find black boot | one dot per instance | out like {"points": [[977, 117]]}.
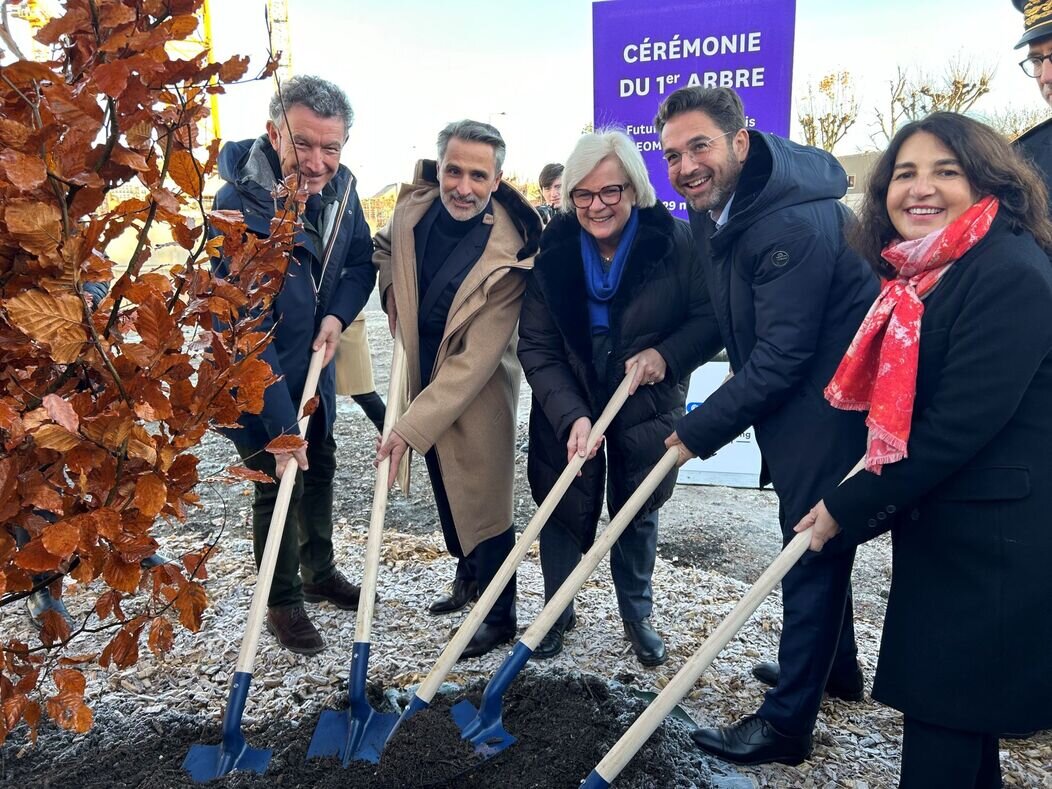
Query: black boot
{"points": [[552, 643], [648, 646]]}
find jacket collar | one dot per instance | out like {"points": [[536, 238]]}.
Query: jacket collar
{"points": [[559, 270]]}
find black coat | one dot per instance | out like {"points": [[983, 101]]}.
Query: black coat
{"points": [[660, 303], [1036, 145], [968, 627], [250, 169], [788, 295]]}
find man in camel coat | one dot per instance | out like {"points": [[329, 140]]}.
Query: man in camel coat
{"points": [[453, 264]]}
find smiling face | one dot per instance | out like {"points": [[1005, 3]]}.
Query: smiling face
{"points": [[467, 176], [602, 222], [309, 145], [704, 162], [928, 188]]}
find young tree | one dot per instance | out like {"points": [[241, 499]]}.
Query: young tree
{"points": [[100, 404], [826, 115]]}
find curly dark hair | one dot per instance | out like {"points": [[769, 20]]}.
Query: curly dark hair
{"points": [[991, 165]]}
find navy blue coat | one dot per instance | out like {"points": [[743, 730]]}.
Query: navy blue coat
{"points": [[1036, 145], [967, 630], [250, 169], [788, 295]]}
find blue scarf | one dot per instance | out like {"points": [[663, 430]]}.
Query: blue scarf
{"points": [[601, 283]]}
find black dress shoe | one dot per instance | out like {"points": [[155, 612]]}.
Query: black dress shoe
{"points": [[752, 740], [153, 560], [552, 643], [487, 638], [648, 646], [463, 592], [853, 689]]}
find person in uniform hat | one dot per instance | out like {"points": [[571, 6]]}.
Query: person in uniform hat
{"points": [[1036, 142]]}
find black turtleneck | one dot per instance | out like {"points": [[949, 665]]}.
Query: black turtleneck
{"points": [[445, 234]]}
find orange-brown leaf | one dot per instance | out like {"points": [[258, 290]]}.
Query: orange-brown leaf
{"points": [[285, 444], [186, 172], [191, 603], [111, 77], [311, 405], [61, 538], [109, 602], [161, 636], [36, 225], [195, 564], [244, 472], [233, 69], [121, 575], [54, 628], [24, 172], [154, 324], [62, 412], [55, 437], [150, 494], [35, 558], [52, 319]]}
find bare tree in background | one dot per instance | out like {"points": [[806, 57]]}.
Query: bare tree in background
{"points": [[1012, 121], [826, 115], [910, 98]]}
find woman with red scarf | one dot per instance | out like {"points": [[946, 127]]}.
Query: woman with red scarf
{"points": [[954, 365]]}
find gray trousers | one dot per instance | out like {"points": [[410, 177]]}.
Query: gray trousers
{"points": [[631, 562]]}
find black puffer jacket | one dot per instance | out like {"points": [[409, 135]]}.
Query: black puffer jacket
{"points": [[661, 303]]}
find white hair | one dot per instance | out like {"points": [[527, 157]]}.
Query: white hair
{"points": [[591, 149]]}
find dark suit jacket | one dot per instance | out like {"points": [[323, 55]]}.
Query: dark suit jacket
{"points": [[968, 631]]}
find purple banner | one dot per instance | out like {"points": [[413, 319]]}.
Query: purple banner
{"points": [[643, 50]]}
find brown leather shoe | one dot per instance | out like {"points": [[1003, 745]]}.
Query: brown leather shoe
{"points": [[292, 628], [336, 590]]}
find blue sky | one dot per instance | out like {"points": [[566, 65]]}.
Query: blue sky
{"points": [[410, 66]]}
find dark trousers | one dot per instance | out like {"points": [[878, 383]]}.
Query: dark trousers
{"points": [[938, 758], [631, 562], [482, 563], [306, 543], [818, 639]]}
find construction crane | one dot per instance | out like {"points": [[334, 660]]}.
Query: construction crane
{"points": [[280, 37]]}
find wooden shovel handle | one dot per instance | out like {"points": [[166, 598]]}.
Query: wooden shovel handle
{"points": [[471, 624], [679, 686], [599, 549], [258, 608], [367, 599]]}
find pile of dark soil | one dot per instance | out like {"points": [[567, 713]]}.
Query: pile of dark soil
{"points": [[564, 723]]}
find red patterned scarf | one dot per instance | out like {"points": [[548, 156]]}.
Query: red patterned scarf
{"points": [[879, 370]]}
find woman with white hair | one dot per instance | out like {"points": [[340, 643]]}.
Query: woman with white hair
{"points": [[614, 291]]}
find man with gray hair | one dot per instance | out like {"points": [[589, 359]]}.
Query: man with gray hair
{"points": [[453, 263], [309, 121]]}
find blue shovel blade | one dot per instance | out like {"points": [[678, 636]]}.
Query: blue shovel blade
{"points": [[358, 736], [358, 733], [207, 762], [483, 727], [595, 781], [489, 740]]}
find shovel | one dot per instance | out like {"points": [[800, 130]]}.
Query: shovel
{"points": [[679, 686], [483, 727], [359, 732], [205, 762], [426, 692]]}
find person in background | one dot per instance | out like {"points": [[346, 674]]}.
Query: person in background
{"points": [[551, 182], [954, 365], [1036, 143], [354, 372], [614, 292]]}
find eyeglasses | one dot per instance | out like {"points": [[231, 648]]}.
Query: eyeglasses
{"points": [[695, 150], [608, 195], [1032, 65]]}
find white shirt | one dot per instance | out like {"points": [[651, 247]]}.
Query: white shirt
{"points": [[725, 214]]}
